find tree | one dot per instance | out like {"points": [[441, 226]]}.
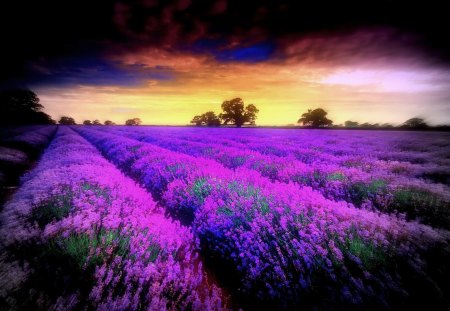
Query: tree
{"points": [[315, 118], [96, 122], [197, 120], [134, 121], [415, 123], [108, 122], [87, 122], [21, 106], [351, 124], [67, 121], [236, 113], [208, 118], [366, 125]]}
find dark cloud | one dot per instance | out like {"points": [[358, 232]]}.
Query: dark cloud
{"points": [[95, 71], [249, 54], [34, 32]]}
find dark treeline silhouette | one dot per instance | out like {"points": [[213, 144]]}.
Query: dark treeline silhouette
{"points": [[317, 119], [88, 122], [234, 112], [21, 106], [415, 123]]}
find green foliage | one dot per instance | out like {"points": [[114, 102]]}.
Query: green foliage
{"points": [[201, 189], [55, 208], [258, 203], [336, 177], [98, 191], [361, 191], [80, 247], [419, 203], [370, 255]]}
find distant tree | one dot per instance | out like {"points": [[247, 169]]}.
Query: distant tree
{"points": [[96, 122], [21, 106], [134, 121], [234, 112], [366, 125], [87, 122], [415, 123], [351, 124], [108, 122], [387, 125], [197, 120], [315, 118], [67, 121], [208, 118]]}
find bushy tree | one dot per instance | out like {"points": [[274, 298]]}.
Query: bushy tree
{"points": [[208, 118], [234, 112], [96, 122], [315, 118], [67, 121], [133, 122], [351, 124], [108, 122], [197, 120], [87, 122], [21, 106], [415, 123]]}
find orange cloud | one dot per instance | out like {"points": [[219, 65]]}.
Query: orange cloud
{"points": [[281, 89]]}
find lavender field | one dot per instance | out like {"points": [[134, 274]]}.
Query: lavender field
{"points": [[182, 218]]}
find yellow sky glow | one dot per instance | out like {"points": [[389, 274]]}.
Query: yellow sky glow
{"points": [[282, 91]]}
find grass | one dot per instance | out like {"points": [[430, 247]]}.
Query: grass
{"points": [[336, 177], [55, 208], [370, 255], [360, 191], [422, 204]]}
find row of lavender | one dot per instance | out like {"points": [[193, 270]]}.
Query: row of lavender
{"points": [[317, 146], [373, 184], [281, 244], [78, 234], [19, 147], [30, 139]]}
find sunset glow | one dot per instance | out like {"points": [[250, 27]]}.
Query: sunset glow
{"points": [[184, 60], [172, 87]]}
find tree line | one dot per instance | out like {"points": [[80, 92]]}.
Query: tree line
{"points": [[20, 106], [64, 120]]}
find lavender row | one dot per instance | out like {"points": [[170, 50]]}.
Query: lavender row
{"points": [[368, 151], [383, 191], [32, 141], [313, 146], [284, 246], [79, 234]]}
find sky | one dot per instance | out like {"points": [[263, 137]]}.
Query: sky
{"points": [[166, 61]]}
